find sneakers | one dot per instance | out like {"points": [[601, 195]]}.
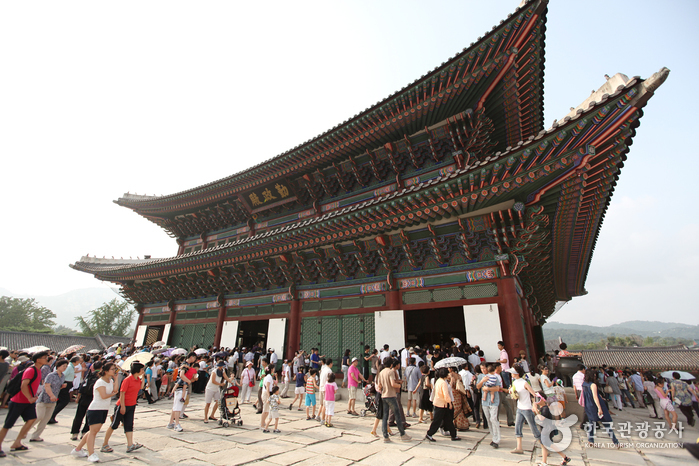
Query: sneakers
{"points": [[405, 438], [430, 438], [184, 416], [178, 428], [74, 437], [265, 431], [386, 440], [79, 453], [93, 458], [277, 431], [494, 445], [171, 425]]}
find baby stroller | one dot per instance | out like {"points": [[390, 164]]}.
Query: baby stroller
{"points": [[230, 411], [369, 400]]}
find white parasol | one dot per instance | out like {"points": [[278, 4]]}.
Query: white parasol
{"points": [[201, 351], [178, 351], [138, 357], [158, 344], [683, 375], [36, 349], [450, 362]]}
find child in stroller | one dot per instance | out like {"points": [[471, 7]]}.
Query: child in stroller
{"points": [[230, 410]]}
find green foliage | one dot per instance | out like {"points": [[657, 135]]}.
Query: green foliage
{"points": [[629, 341], [63, 330], [25, 315], [112, 318]]}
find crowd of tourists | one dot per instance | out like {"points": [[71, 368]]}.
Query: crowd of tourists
{"points": [[445, 387]]}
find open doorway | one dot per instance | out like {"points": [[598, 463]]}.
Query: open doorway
{"points": [[426, 327], [253, 333]]}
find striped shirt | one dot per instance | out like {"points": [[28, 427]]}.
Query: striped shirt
{"points": [[309, 386]]}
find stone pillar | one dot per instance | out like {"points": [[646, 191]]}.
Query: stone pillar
{"points": [[294, 340], [511, 318]]}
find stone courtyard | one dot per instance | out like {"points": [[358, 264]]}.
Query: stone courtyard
{"points": [[304, 442]]}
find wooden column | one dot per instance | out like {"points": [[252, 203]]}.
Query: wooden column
{"points": [[393, 300], [139, 322], [511, 317], [219, 321], [294, 340]]}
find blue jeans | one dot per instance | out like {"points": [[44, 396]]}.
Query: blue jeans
{"points": [[391, 403], [590, 428], [527, 414]]}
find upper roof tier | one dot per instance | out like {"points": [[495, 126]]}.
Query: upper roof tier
{"points": [[501, 73]]}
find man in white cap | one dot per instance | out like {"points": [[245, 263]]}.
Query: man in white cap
{"points": [[273, 358]]}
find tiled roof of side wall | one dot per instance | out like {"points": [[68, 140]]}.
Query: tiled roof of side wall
{"points": [[499, 156], [137, 202]]}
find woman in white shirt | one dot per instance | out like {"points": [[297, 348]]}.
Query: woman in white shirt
{"points": [[105, 388], [547, 384]]}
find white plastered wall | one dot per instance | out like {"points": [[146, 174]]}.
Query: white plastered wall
{"points": [[166, 333], [275, 336], [483, 328], [389, 327], [229, 334], [141, 334]]}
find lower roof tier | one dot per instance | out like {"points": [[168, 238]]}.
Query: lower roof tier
{"points": [[536, 208]]}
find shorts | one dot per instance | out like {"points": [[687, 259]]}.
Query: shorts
{"points": [[126, 418], [265, 407], [329, 408], [310, 399], [26, 410], [352, 393], [178, 404], [665, 403], [274, 414], [97, 416], [211, 395], [299, 390], [322, 397], [412, 396]]}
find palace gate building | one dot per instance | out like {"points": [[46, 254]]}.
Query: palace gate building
{"points": [[446, 208]]}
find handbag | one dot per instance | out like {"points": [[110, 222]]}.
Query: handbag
{"points": [[608, 389]]}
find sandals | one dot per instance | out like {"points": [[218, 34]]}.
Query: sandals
{"points": [[20, 448], [565, 461], [36, 440], [106, 449], [211, 418], [133, 447]]}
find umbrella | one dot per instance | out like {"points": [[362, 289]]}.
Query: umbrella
{"points": [[176, 351], [36, 349], [159, 343], [683, 375], [94, 351], [159, 350], [200, 351], [450, 362], [221, 354], [72, 349], [139, 357]]}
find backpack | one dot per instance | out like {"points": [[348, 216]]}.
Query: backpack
{"points": [[86, 386], [15, 384]]}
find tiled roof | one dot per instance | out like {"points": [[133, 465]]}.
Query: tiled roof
{"points": [[21, 340], [644, 358]]}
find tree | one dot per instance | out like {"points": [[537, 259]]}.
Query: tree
{"points": [[63, 330], [112, 318], [25, 315]]}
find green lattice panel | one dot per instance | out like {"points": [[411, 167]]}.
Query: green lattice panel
{"points": [[330, 338], [369, 336], [209, 335], [188, 336], [447, 294], [352, 335], [351, 303], [330, 304], [176, 336], [311, 306], [486, 290], [309, 333], [374, 301], [416, 297]]}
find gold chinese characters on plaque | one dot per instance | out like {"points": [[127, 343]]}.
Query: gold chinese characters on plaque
{"points": [[272, 193]]}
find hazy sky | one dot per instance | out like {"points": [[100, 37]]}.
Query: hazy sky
{"points": [[102, 98]]}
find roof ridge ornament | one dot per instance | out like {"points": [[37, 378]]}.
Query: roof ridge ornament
{"points": [[656, 80]]}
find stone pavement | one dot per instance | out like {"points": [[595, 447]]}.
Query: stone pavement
{"points": [[305, 442]]}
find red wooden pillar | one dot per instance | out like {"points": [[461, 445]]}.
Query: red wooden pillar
{"points": [[294, 340], [139, 322], [393, 300], [511, 318], [219, 322], [529, 325]]}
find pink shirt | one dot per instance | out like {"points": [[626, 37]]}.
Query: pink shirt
{"points": [[353, 371], [330, 389], [503, 357]]}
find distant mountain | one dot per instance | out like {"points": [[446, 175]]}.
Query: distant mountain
{"points": [[575, 334], [68, 306]]}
